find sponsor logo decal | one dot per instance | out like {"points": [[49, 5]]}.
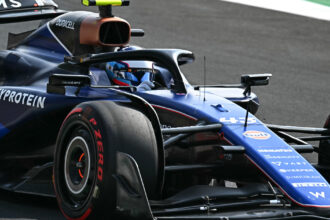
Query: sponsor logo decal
{"points": [[65, 24], [279, 163], [295, 170], [318, 194], [275, 150], [257, 135], [166, 126], [240, 120], [22, 98], [10, 3], [303, 177], [311, 184], [281, 157]]}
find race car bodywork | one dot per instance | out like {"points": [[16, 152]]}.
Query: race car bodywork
{"points": [[208, 156]]}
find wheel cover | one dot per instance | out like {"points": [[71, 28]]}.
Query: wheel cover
{"points": [[77, 165]]}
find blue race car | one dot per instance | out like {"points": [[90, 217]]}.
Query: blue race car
{"points": [[117, 132]]}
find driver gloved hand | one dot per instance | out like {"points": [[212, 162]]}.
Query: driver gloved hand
{"points": [[145, 86]]}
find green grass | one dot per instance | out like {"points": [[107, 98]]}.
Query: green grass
{"points": [[322, 2]]}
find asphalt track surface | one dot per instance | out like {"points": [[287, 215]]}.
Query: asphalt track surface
{"points": [[236, 40]]}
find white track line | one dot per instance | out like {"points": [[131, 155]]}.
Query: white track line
{"points": [[298, 7]]}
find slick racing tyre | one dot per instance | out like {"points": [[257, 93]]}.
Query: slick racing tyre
{"points": [[85, 157]]}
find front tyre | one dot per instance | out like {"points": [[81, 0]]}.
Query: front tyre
{"points": [[85, 159]]}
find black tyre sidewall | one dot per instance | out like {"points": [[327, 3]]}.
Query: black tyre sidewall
{"points": [[112, 128], [103, 182]]}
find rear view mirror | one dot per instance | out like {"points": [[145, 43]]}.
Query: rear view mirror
{"points": [[185, 58], [254, 80]]}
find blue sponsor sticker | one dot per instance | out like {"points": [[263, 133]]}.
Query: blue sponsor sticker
{"points": [[257, 135]]}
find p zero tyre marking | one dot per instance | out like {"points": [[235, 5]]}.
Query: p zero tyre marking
{"points": [[88, 135], [100, 149], [74, 186]]}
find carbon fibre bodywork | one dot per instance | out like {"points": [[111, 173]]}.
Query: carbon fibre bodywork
{"points": [[36, 96], [30, 116]]}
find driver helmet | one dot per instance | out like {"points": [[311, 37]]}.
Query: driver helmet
{"points": [[130, 73]]}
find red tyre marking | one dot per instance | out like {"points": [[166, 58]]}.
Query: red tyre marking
{"points": [[100, 173], [99, 146], [83, 217], [76, 110], [100, 159], [100, 149], [98, 134], [93, 121], [89, 210]]}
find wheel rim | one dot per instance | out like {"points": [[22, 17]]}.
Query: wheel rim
{"points": [[77, 166]]}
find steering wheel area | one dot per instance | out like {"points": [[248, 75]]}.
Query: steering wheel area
{"points": [[158, 85]]}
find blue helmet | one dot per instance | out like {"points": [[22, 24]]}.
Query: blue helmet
{"points": [[127, 73], [119, 73]]}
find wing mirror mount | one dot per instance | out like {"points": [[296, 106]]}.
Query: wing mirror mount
{"points": [[250, 80]]}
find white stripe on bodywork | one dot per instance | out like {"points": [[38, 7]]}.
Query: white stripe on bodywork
{"points": [[298, 7], [58, 40]]}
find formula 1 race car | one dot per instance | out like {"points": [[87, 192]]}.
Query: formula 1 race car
{"points": [[72, 120]]}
